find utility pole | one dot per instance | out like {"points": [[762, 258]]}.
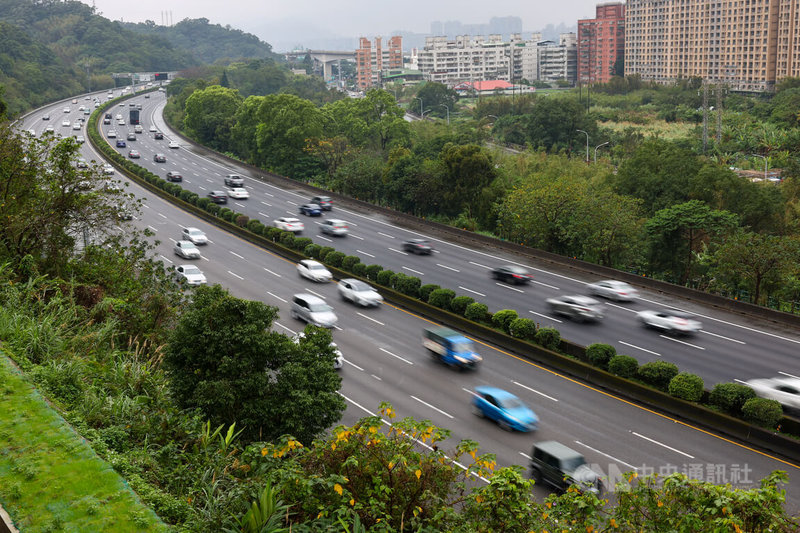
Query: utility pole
{"points": [[705, 116], [719, 114], [587, 145]]}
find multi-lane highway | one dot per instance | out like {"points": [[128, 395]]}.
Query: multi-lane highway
{"points": [[385, 360]]}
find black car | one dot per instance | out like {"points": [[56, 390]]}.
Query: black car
{"points": [[174, 176], [160, 158], [511, 274], [158, 135], [106, 121], [121, 143], [108, 116], [324, 202], [218, 197], [311, 210], [418, 246]]}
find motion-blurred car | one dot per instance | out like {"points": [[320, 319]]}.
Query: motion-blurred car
{"points": [[360, 293], [239, 193], [669, 321], [190, 274], [311, 210], [338, 358], [576, 307], [233, 180], [174, 175], [418, 246], [289, 224], [314, 270], [332, 226], [613, 290], [783, 390], [512, 274], [186, 249], [504, 408], [134, 154], [313, 310], [562, 467], [194, 235], [218, 197], [324, 202], [160, 158]]}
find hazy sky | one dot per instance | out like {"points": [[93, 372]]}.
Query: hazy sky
{"points": [[295, 20]]}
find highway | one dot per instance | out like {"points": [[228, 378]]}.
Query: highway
{"points": [[385, 360]]}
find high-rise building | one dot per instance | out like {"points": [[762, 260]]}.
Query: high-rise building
{"points": [[372, 59], [601, 43], [748, 45], [558, 61]]}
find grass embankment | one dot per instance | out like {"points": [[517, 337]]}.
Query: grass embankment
{"points": [[50, 478]]}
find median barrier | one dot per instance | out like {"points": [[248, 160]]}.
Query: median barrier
{"points": [[573, 363]]}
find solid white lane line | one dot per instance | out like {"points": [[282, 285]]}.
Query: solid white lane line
{"points": [[789, 375], [722, 337], [204, 258], [397, 356], [469, 391], [398, 251], [534, 391], [364, 253], [595, 450], [662, 444], [235, 275], [271, 272], [470, 290], [620, 307], [370, 318], [290, 330], [639, 348], [545, 285], [414, 271], [316, 294], [167, 260], [353, 365], [237, 255], [447, 267], [545, 316], [525, 455], [448, 415], [479, 265], [386, 235], [681, 342], [509, 288], [276, 296]]}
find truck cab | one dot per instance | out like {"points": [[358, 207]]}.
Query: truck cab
{"points": [[451, 347]]}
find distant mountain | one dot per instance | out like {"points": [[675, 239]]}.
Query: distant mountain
{"points": [[209, 42]]}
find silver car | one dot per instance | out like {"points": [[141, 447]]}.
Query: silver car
{"points": [[313, 310], [190, 274], [194, 235], [613, 290], [359, 293], [337, 228], [576, 307], [783, 390], [669, 321], [186, 249], [314, 270]]}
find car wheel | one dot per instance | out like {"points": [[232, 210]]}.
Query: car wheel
{"points": [[504, 424], [536, 475], [294, 314], [477, 412]]}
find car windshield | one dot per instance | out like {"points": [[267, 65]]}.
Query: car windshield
{"points": [[462, 347], [572, 463], [191, 270], [360, 286], [511, 403], [319, 308], [194, 232], [316, 266]]}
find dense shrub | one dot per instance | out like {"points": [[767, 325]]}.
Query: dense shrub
{"points": [[242, 220], [287, 238], [274, 234], [477, 312], [300, 243], [384, 277], [426, 290], [192, 198], [623, 366], [212, 208], [501, 319], [324, 251], [360, 269], [255, 226], [441, 298], [549, 338], [312, 250], [687, 387], [730, 397], [224, 213], [762, 412], [459, 304], [184, 195], [349, 261], [658, 373], [522, 328], [372, 272], [600, 354], [408, 285], [334, 259]]}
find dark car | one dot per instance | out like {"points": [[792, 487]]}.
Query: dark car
{"points": [[562, 467], [418, 246], [108, 116], [577, 307], [158, 135], [121, 143], [323, 201], [106, 121], [511, 274], [218, 197], [311, 210], [160, 158], [174, 176]]}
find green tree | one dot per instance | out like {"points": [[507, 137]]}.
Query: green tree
{"points": [[468, 170], [433, 96], [243, 132], [224, 360], [679, 232], [210, 115]]}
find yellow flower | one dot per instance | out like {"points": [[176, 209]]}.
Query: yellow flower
{"points": [[352, 501], [391, 465], [613, 523], [660, 504], [338, 489], [264, 452], [589, 529], [418, 473], [544, 516], [549, 505], [373, 429]]}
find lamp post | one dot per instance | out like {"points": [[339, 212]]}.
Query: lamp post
{"points": [[587, 144], [420, 105], [448, 112], [599, 146], [765, 164]]}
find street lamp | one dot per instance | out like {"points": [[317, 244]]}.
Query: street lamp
{"points": [[766, 162], [587, 144], [599, 146], [448, 112], [420, 105]]}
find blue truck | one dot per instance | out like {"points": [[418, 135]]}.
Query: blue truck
{"points": [[451, 348]]}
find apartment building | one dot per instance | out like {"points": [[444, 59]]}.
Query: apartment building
{"points": [[748, 45], [558, 60], [372, 59], [601, 43]]}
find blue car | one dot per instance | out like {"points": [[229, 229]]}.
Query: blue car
{"points": [[504, 408], [311, 210], [120, 143]]}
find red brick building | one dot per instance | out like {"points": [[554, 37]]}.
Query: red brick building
{"points": [[372, 59], [601, 44]]}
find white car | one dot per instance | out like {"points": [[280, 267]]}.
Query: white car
{"points": [[669, 321], [613, 290], [784, 390], [66, 110], [359, 293], [332, 226], [118, 117], [174, 144], [51, 129], [77, 126], [190, 274], [289, 224], [66, 123], [186, 249], [338, 361], [108, 169], [314, 270], [80, 139], [111, 134], [45, 117], [194, 235], [120, 122], [153, 129], [239, 193]]}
